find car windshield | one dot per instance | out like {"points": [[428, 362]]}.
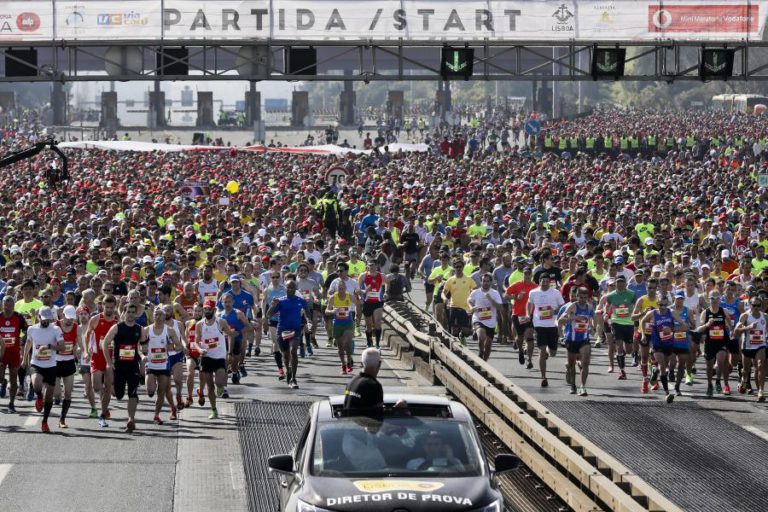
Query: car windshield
{"points": [[395, 446]]}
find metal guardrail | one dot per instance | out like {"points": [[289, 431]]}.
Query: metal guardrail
{"points": [[582, 474]]}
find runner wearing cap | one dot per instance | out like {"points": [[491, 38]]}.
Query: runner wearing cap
{"points": [[621, 302], [193, 355], [733, 305], [44, 341], [273, 291], [372, 286], [486, 307], [661, 322], [340, 307], [241, 328], [12, 327], [681, 344], [521, 321], [65, 359], [161, 339], [456, 291], [578, 320], [244, 302], [714, 323]]}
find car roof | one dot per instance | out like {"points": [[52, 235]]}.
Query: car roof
{"points": [[458, 411]]}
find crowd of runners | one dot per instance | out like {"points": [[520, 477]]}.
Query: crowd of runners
{"points": [[126, 277]]}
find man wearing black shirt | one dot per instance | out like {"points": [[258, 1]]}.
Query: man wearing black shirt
{"points": [[548, 268], [365, 391], [410, 242]]}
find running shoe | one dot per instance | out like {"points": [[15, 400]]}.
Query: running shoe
{"points": [[568, 376], [130, 426], [294, 385], [248, 352], [573, 389], [225, 394], [219, 391], [174, 415], [598, 343], [39, 405], [44, 427], [727, 389], [103, 422], [583, 391], [343, 370], [635, 360], [670, 397], [200, 397], [645, 386], [56, 402], [310, 352], [742, 387], [654, 375], [63, 424], [655, 386], [718, 388], [302, 351], [214, 415], [235, 377], [544, 383], [521, 357], [11, 408], [157, 420], [329, 345], [610, 369], [243, 371], [3, 388], [188, 402], [350, 370], [94, 413], [107, 414], [529, 365], [709, 391], [689, 379], [282, 375], [760, 398], [256, 351], [30, 394], [677, 391], [622, 375]]}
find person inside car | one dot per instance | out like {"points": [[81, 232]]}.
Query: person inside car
{"points": [[438, 456]]}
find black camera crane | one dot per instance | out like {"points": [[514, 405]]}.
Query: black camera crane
{"points": [[54, 175]]}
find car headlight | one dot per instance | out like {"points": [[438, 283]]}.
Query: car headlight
{"points": [[307, 507], [491, 507]]}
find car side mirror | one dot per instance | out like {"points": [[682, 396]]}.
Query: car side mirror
{"points": [[502, 463], [281, 464]]}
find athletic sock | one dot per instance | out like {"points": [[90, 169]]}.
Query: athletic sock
{"points": [[369, 337], [377, 333], [47, 406], [665, 383], [644, 370], [278, 358], [621, 359], [65, 409]]}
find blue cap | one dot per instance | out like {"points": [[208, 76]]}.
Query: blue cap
{"points": [[234, 277], [618, 259], [680, 293]]}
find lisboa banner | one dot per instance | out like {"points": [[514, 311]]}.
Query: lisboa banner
{"points": [[380, 20]]}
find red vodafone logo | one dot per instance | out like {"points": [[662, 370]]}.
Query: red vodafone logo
{"points": [[28, 21]]}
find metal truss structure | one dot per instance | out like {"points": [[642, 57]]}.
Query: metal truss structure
{"points": [[369, 61]]}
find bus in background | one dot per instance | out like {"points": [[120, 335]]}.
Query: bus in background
{"points": [[744, 103]]}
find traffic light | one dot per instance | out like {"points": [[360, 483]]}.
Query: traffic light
{"points": [[716, 63], [608, 63], [456, 62], [301, 61]]}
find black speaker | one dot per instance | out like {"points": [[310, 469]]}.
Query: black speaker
{"points": [[167, 65], [28, 66], [301, 61]]}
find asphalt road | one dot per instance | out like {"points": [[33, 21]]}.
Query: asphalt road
{"points": [[192, 464]]}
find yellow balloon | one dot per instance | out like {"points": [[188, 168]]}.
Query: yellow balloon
{"points": [[233, 187]]}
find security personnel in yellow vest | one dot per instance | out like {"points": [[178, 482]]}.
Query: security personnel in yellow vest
{"points": [[589, 144], [715, 142], [574, 144], [624, 144], [689, 141], [670, 142], [634, 143], [562, 144], [739, 142], [651, 144], [548, 143]]}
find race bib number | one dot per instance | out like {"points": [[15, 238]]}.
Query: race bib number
{"points": [[342, 313], [580, 324], [43, 352], [484, 313], [680, 336], [717, 333], [756, 337], [9, 341], [545, 312], [68, 348], [666, 333], [305, 294], [372, 296], [211, 343], [622, 311], [287, 335], [158, 355], [523, 320], [127, 353]]}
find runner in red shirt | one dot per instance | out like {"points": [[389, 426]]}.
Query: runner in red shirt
{"points": [[97, 329], [12, 326], [518, 292]]}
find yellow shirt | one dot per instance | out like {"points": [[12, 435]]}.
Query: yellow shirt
{"points": [[441, 272], [459, 288], [476, 231], [356, 269]]}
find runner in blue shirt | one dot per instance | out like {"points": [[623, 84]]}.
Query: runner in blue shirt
{"points": [[292, 312]]}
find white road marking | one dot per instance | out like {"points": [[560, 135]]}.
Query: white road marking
{"points": [[237, 474], [758, 432], [4, 470], [31, 421]]}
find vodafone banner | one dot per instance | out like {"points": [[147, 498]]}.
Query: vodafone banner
{"points": [[410, 20]]}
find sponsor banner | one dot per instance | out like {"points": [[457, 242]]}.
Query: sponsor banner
{"points": [[26, 21], [101, 20], [725, 18], [411, 20]]}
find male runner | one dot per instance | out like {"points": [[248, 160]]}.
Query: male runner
{"points": [[12, 327], [102, 379], [65, 359], [715, 323], [211, 336], [518, 293], [44, 340], [621, 303], [543, 303], [292, 312], [486, 307], [579, 321], [752, 326], [372, 284]]}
